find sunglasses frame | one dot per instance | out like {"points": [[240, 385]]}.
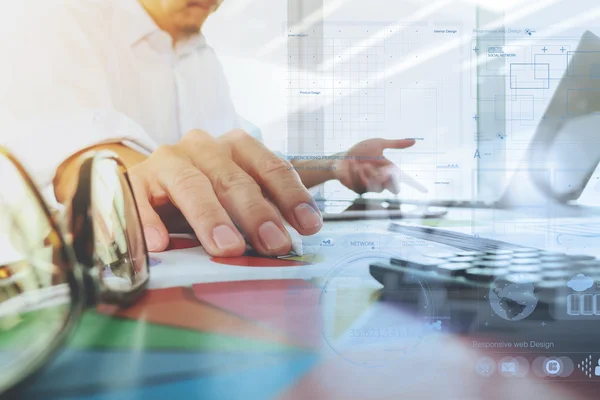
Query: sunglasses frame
{"points": [[77, 262], [85, 230]]}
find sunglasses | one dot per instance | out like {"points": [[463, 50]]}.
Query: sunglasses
{"points": [[52, 269]]}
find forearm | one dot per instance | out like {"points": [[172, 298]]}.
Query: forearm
{"points": [[315, 172], [65, 180]]}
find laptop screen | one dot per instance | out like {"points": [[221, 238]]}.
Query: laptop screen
{"points": [[564, 152]]}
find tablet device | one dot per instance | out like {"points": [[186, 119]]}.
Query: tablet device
{"points": [[368, 209]]}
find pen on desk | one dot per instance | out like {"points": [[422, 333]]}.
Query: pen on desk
{"points": [[296, 241]]}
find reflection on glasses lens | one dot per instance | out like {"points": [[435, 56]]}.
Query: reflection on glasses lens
{"points": [[35, 296], [120, 249]]}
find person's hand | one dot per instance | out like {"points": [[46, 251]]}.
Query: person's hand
{"points": [[363, 168], [221, 183]]}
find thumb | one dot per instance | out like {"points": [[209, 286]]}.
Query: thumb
{"points": [[397, 143]]}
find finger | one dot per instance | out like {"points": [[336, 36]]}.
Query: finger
{"points": [[155, 232], [191, 191], [241, 196], [391, 144], [163, 205], [397, 143], [173, 218], [366, 177], [377, 146], [390, 184], [389, 181], [371, 178], [278, 179]]}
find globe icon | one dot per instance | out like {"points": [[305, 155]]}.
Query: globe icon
{"points": [[512, 297]]}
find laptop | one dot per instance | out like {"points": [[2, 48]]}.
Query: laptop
{"points": [[565, 149]]}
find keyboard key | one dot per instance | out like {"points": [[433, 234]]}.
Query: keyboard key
{"points": [[453, 269], [525, 255], [581, 257], [499, 252], [525, 261], [470, 254], [551, 253], [430, 265], [462, 259], [525, 250], [554, 258], [524, 269], [556, 275], [491, 264], [554, 266], [485, 274], [441, 254], [496, 257], [586, 264]]}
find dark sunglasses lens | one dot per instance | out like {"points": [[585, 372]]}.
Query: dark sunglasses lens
{"points": [[35, 295], [119, 241]]}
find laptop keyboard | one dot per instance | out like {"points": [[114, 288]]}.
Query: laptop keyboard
{"points": [[468, 272], [456, 239], [581, 229]]}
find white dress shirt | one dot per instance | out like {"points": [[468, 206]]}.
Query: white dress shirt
{"points": [[75, 73]]}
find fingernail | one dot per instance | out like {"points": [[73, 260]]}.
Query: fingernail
{"points": [[153, 239], [307, 216], [225, 237], [272, 237]]}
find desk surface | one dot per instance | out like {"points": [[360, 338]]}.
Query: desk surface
{"points": [[255, 328]]}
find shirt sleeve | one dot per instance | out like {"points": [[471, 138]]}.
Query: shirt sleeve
{"points": [[54, 92], [43, 142]]}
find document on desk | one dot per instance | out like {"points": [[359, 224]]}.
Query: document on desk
{"points": [[186, 262]]}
